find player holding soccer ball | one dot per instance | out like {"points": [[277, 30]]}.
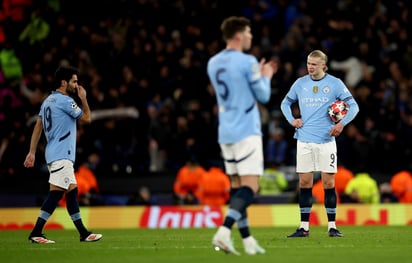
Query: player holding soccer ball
{"points": [[315, 133]]}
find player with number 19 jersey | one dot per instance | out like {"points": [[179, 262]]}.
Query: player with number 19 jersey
{"points": [[58, 112], [238, 84]]}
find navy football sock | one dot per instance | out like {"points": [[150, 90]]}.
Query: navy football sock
{"points": [[74, 212], [239, 202], [330, 204], [305, 203], [46, 211]]}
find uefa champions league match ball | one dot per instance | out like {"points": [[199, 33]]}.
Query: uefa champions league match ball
{"points": [[338, 110]]}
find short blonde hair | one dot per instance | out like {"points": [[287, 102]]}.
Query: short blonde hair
{"points": [[319, 54]]}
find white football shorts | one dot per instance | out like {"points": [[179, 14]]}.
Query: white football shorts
{"points": [[319, 157], [62, 173], [244, 157]]}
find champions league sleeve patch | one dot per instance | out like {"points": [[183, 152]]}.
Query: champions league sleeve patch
{"points": [[75, 108], [255, 72]]}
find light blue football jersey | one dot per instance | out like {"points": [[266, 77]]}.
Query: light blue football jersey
{"points": [[239, 85], [314, 97], [59, 114]]}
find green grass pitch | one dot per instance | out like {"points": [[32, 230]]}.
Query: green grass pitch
{"points": [[360, 244]]}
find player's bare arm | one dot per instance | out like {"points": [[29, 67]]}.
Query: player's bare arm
{"points": [[31, 156]]}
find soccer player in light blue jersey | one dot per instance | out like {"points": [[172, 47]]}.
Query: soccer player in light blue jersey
{"points": [[315, 133], [240, 83], [58, 120]]}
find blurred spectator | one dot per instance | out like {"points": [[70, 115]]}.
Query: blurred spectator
{"points": [[277, 146], [12, 16], [273, 181], [159, 134], [356, 149], [352, 69], [34, 36], [363, 189], [386, 193], [12, 132], [37, 30], [89, 191], [129, 54], [187, 181], [401, 185], [213, 188], [143, 197], [342, 178], [10, 64]]}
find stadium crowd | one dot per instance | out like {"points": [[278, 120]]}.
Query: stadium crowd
{"points": [[151, 55]]}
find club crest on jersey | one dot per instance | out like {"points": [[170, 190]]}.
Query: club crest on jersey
{"points": [[326, 90], [315, 89]]}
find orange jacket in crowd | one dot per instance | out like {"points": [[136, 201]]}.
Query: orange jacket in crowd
{"points": [[214, 188], [401, 186], [187, 180], [342, 177]]}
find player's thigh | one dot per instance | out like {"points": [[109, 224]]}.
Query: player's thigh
{"points": [[305, 161], [62, 173], [228, 156], [249, 156], [244, 157], [235, 181], [328, 159]]}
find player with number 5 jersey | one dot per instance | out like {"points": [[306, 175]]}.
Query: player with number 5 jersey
{"points": [[240, 83]]}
